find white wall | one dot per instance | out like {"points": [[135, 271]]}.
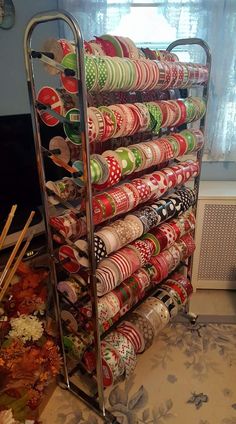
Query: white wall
{"points": [[14, 95]]}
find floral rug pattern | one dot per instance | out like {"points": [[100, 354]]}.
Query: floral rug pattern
{"points": [[188, 375]]}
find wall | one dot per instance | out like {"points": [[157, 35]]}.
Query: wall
{"points": [[14, 95], [218, 171]]}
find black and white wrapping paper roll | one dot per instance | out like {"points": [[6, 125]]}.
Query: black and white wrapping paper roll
{"points": [[148, 216], [170, 302], [99, 248], [164, 208]]}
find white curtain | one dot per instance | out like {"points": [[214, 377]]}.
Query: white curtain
{"points": [[163, 21]]}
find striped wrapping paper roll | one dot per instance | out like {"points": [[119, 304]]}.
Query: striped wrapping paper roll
{"points": [[150, 186], [125, 197], [120, 266], [121, 120], [134, 288], [115, 63], [118, 301], [137, 332]]}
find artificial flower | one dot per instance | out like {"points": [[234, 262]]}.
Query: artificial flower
{"points": [[26, 328]]}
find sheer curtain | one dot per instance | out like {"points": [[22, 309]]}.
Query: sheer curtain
{"points": [[157, 23]]}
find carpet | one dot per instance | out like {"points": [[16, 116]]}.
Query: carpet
{"points": [[187, 376]]}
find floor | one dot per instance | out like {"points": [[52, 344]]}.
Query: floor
{"points": [[214, 305], [187, 376]]}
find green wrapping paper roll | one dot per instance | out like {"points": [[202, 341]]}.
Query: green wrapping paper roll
{"points": [[191, 139], [127, 160], [96, 170], [71, 131], [156, 117], [190, 110], [138, 156], [102, 70], [91, 73]]}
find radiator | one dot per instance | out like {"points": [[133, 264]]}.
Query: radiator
{"points": [[214, 261]]}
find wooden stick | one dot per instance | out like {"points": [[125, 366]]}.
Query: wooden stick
{"points": [[15, 266], [7, 225], [16, 248]]}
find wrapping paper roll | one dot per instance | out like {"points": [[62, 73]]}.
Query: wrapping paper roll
{"points": [[59, 143], [169, 302], [69, 259], [77, 344], [57, 101], [144, 327], [71, 288], [183, 282], [125, 349], [112, 364], [120, 65], [133, 335], [147, 311], [176, 290], [136, 192], [68, 225]]}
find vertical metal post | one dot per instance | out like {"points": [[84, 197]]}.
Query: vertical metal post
{"points": [[205, 47], [82, 105]]}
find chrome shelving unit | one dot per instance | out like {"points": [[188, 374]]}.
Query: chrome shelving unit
{"points": [[96, 402]]}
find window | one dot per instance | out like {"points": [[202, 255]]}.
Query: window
{"points": [[156, 24]]}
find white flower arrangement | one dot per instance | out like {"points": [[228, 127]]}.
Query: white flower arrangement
{"points": [[26, 328]]}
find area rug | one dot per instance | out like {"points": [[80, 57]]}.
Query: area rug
{"points": [[187, 376]]}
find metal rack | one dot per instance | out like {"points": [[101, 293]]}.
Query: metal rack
{"points": [[199, 42], [96, 402]]}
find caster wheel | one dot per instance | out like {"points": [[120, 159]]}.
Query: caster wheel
{"points": [[62, 385]]}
